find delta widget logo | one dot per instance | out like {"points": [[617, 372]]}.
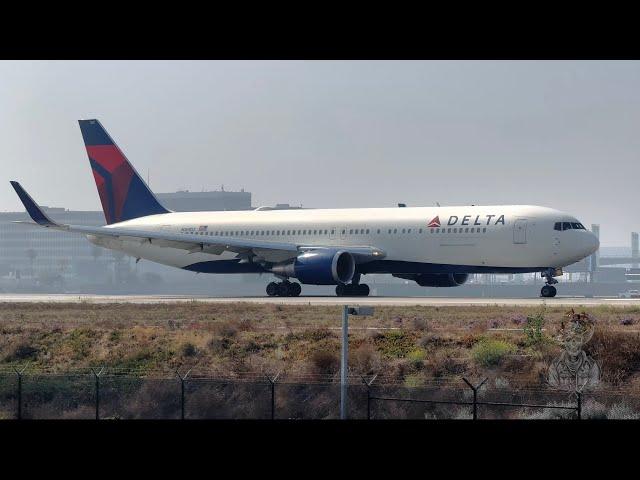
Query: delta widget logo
{"points": [[435, 222]]}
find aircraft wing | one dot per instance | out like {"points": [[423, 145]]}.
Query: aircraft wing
{"points": [[270, 251]]}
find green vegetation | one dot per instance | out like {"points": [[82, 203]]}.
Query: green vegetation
{"points": [[395, 343], [490, 352], [533, 329], [417, 357]]}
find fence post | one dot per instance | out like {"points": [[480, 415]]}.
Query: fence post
{"points": [[579, 407], [19, 374], [368, 385], [97, 378], [475, 395], [344, 361], [272, 382], [182, 380]]}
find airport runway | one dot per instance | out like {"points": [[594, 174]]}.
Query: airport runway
{"points": [[315, 300]]}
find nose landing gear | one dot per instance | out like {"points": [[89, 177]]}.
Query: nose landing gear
{"points": [[549, 291], [284, 289]]}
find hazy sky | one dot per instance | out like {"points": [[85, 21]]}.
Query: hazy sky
{"points": [[337, 134]]}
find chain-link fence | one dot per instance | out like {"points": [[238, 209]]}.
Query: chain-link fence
{"points": [[102, 394]]}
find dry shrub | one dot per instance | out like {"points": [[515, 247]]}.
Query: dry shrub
{"points": [[441, 365], [470, 339], [227, 329], [365, 359], [325, 362], [219, 346], [20, 352], [188, 349], [419, 323], [245, 325], [316, 334], [400, 369], [433, 340], [519, 364], [375, 335], [618, 354]]}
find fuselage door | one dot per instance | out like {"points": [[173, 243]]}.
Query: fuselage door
{"points": [[520, 231]]}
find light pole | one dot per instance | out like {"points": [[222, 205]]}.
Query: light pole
{"points": [[344, 357]]}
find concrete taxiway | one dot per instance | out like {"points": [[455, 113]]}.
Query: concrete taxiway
{"points": [[316, 300]]}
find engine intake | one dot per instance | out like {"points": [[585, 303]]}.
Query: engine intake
{"points": [[437, 279], [319, 267]]}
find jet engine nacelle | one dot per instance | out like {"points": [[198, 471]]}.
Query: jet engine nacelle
{"points": [[437, 279], [320, 267]]}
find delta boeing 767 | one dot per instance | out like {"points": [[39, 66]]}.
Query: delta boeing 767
{"points": [[433, 246]]}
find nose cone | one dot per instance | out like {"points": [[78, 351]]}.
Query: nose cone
{"points": [[592, 243]]}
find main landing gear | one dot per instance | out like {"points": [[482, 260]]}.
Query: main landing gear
{"points": [[353, 289], [549, 290], [284, 289]]}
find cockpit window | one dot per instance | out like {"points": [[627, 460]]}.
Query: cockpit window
{"points": [[568, 226]]}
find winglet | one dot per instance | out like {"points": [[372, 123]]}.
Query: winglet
{"points": [[34, 211]]}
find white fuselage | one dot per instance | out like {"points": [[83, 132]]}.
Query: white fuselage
{"points": [[474, 238]]}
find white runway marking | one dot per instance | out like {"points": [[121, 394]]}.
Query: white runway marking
{"points": [[316, 300]]}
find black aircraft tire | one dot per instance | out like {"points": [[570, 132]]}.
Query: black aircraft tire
{"points": [[283, 289], [548, 291], [341, 290], [295, 290], [363, 290], [272, 289]]}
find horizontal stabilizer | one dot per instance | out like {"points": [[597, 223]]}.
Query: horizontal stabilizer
{"points": [[34, 211]]}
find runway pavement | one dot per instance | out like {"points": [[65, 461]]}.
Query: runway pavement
{"points": [[315, 300]]}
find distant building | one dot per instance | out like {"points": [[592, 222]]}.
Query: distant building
{"points": [[186, 201], [29, 251]]}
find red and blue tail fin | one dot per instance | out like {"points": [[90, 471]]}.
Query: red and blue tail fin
{"points": [[123, 193]]}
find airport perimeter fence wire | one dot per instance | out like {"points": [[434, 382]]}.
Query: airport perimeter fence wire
{"points": [[104, 393]]}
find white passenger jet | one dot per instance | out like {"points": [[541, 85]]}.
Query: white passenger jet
{"points": [[433, 246]]}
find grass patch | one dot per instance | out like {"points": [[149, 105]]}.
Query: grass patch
{"points": [[394, 344], [490, 352], [417, 357]]}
